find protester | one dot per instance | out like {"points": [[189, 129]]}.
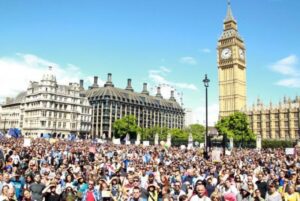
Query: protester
{"points": [[83, 170]]}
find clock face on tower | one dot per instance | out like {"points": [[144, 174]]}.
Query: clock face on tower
{"points": [[226, 53], [242, 54]]}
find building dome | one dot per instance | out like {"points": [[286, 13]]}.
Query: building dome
{"points": [[49, 75]]}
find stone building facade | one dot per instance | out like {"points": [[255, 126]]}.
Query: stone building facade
{"points": [[47, 107], [12, 112], [110, 103], [280, 122]]}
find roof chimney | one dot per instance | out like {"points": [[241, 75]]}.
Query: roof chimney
{"points": [[109, 82], [81, 84], [158, 94], [129, 87], [172, 98], [145, 90], [95, 84]]}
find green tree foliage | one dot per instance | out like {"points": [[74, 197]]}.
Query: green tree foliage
{"points": [[236, 126], [198, 132], [126, 125], [149, 133], [277, 144]]}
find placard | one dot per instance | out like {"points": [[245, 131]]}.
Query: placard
{"points": [[227, 152], [146, 143], [117, 141], [27, 142], [216, 155], [289, 151]]}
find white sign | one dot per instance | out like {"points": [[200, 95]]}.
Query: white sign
{"points": [[128, 142], [146, 143], [289, 151], [227, 152], [27, 142], [216, 155], [117, 141], [137, 142]]}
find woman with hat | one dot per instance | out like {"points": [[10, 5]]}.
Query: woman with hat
{"points": [[245, 194], [69, 193], [50, 192]]}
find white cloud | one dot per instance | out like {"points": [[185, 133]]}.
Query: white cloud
{"points": [[157, 76], [188, 60], [288, 66], [199, 114], [158, 79], [205, 50], [290, 82], [165, 69], [19, 70]]}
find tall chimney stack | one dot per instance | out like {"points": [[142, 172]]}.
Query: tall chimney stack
{"points": [[145, 90], [81, 85], [95, 84], [172, 98], [109, 81], [158, 94], [129, 87]]}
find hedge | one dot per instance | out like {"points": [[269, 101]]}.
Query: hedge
{"points": [[277, 143]]}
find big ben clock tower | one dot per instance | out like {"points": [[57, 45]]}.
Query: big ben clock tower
{"points": [[231, 68]]}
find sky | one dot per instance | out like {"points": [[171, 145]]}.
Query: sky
{"points": [[171, 43]]}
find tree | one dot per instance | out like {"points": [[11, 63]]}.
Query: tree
{"points": [[236, 126], [198, 132], [149, 133], [126, 125]]}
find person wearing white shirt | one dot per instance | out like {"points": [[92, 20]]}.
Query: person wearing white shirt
{"points": [[200, 194]]}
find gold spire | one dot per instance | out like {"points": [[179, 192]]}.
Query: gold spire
{"points": [[229, 15]]}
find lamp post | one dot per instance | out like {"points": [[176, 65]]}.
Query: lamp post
{"points": [[206, 84]]}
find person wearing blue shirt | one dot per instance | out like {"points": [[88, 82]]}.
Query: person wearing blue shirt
{"points": [[18, 185]]}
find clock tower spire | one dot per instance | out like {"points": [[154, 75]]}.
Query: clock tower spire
{"points": [[231, 67]]}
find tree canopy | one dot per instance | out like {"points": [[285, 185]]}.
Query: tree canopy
{"points": [[236, 126], [126, 125]]}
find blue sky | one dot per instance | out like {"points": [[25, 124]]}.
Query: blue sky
{"points": [[169, 42]]}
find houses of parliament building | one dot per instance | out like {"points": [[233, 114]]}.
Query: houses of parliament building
{"points": [[280, 122]]}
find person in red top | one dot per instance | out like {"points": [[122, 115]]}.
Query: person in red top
{"points": [[91, 194]]}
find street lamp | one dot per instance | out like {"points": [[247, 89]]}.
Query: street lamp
{"points": [[206, 84]]}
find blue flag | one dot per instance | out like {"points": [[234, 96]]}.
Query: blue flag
{"points": [[71, 137], [14, 132]]}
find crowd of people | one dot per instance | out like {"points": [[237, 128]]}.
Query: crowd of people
{"points": [[64, 170]]}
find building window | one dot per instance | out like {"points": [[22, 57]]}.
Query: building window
{"points": [[286, 124], [286, 115], [43, 123], [296, 124], [258, 118]]}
